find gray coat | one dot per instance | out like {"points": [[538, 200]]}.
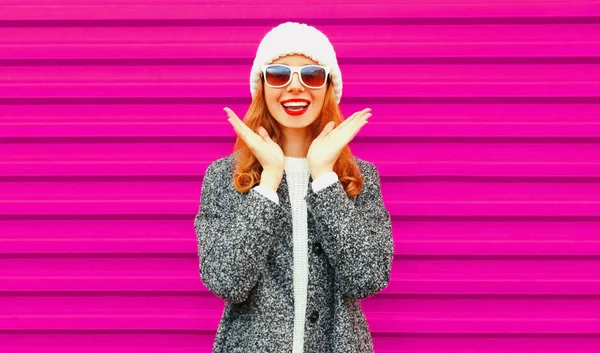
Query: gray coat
{"points": [[245, 251]]}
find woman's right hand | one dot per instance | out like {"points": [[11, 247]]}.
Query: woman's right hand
{"points": [[267, 151]]}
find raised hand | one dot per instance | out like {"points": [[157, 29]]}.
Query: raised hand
{"points": [[267, 151], [326, 148]]}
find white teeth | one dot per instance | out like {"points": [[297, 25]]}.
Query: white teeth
{"points": [[295, 104]]}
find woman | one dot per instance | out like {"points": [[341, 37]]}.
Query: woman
{"points": [[292, 230]]}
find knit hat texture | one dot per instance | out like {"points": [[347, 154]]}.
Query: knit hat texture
{"points": [[296, 38]]}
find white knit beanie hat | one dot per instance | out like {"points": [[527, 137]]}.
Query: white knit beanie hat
{"points": [[296, 38]]}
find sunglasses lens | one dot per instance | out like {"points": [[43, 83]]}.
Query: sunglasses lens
{"points": [[313, 76], [277, 75]]}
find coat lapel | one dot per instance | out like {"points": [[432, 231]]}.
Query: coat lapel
{"points": [[284, 193]]}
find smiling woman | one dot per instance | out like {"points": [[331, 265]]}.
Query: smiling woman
{"points": [[292, 184]]}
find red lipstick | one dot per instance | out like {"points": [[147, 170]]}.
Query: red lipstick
{"points": [[295, 109]]}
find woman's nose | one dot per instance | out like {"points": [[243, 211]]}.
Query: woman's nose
{"points": [[295, 85]]}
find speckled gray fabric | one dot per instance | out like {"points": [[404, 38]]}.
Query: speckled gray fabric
{"points": [[245, 251]]}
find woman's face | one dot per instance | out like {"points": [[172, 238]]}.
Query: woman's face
{"points": [[275, 97]]}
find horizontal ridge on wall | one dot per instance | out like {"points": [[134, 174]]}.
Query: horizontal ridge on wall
{"points": [[535, 43], [373, 82], [401, 198], [161, 238], [518, 123], [549, 283]]}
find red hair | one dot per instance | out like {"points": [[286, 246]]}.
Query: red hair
{"points": [[248, 170]]}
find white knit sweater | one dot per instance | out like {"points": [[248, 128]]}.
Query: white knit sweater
{"points": [[297, 174]]}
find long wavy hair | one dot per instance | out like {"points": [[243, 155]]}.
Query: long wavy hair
{"points": [[247, 170]]}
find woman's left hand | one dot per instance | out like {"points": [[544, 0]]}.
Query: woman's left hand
{"points": [[326, 148]]}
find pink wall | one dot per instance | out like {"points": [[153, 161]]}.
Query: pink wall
{"points": [[485, 129]]}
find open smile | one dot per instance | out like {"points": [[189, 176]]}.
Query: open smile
{"points": [[295, 107]]}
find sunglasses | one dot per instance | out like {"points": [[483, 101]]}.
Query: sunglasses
{"points": [[311, 76]]}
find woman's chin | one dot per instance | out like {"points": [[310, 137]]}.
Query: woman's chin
{"points": [[296, 121], [292, 122]]}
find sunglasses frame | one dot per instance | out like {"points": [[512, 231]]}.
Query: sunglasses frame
{"points": [[295, 69]]}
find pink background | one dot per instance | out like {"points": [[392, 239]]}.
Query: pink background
{"points": [[485, 129]]}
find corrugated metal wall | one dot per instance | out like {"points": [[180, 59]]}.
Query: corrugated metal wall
{"points": [[485, 129]]}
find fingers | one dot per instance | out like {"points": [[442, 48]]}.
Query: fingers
{"points": [[357, 124], [233, 118], [352, 125], [326, 130], [262, 132], [240, 128], [245, 132], [363, 115], [355, 116], [356, 120]]}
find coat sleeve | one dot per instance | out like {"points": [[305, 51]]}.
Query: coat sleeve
{"points": [[235, 232], [355, 236]]}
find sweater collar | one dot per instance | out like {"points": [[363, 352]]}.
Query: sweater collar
{"points": [[296, 164]]}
